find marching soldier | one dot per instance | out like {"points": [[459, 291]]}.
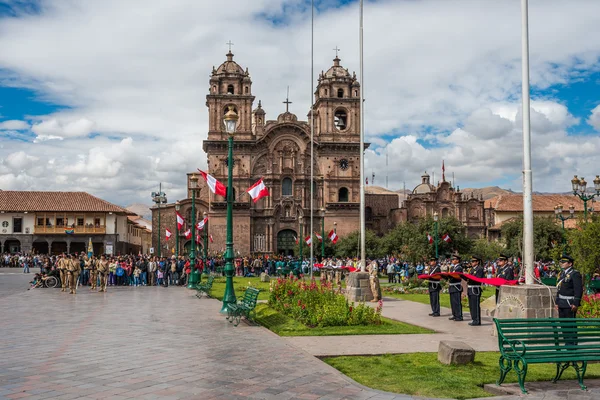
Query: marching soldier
{"points": [[504, 270], [90, 264], [61, 265], [569, 289], [73, 273], [455, 289], [374, 280], [474, 290], [102, 267], [434, 287]]}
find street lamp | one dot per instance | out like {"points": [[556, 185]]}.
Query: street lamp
{"points": [[322, 236], [205, 244], [194, 275], [177, 208], [159, 198], [436, 217], [301, 240], [558, 211], [579, 187], [230, 121]]}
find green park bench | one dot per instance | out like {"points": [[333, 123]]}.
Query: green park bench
{"points": [[244, 307], [205, 287], [563, 341]]}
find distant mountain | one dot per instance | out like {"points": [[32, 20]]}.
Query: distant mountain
{"points": [[142, 210], [487, 192]]}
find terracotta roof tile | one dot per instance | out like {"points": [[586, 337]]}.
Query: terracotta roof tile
{"points": [[541, 202], [31, 201]]}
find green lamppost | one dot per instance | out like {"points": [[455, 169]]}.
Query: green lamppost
{"points": [[559, 215], [436, 217], [579, 187], [301, 240], [322, 236], [159, 198], [205, 244], [177, 208], [194, 274], [230, 120]]}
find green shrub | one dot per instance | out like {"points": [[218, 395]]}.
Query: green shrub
{"points": [[589, 307]]}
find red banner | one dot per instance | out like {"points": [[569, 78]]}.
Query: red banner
{"points": [[460, 275]]}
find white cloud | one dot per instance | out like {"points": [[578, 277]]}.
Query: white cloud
{"points": [[136, 74], [594, 119], [15, 125]]}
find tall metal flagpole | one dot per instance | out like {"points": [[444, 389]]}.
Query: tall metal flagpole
{"points": [[312, 129], [527, 175], [362, 148]]}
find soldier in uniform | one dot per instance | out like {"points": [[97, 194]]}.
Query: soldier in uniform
{"points": [[569, 289], [73, 271], [474, 290], [374, 281], [455, 289], [102, 267], [90, 265], [61, 265], [434, 287], [504, 270]]}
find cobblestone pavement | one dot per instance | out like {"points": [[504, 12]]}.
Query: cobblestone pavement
{"points": [[151, 343]]}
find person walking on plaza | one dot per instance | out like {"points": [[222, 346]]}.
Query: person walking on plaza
{"points": [[569, 289], [73, 270], [504, 270], [103, 269], [434, 287], [374, 281], [455, 289], [474, 290], [61, 265]]}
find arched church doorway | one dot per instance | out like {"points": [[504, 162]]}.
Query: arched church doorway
{"points": [[286, 242]]}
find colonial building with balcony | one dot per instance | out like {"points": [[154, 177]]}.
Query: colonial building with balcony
{"points": [[61, 222]]}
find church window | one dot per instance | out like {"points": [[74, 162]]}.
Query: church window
{"points": [[444, 212], [325, 92], [286, 187], [247, 90], [368, 214], [214, 89], [340, 93], [340, 120], [356, 93], [315, 190], [343, 195], [230, 89]]}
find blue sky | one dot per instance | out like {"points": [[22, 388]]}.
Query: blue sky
{"points": [[108, 96]]}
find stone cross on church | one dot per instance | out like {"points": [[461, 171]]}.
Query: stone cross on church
{"points": [[287, 101]]}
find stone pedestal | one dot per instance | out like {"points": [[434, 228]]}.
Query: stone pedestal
{"points": [[454, 352], [358, 287], [526, 301]]}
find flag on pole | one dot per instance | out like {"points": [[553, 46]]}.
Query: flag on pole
{"points": [[188, 234], [258, 190], [201, 224], [443, 172], [367, 179], [210, 238], [319, 237], [429, 238], [180, 221], [308, 240], [296, 239], [215, 186], [333, 236], [167, 233], [446, 238], [198, 238]]}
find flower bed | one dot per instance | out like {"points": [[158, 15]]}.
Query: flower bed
{"points": [[318, 305], [590, 306]]}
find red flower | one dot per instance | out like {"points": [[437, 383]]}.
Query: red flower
{"points": [[350, 309]]}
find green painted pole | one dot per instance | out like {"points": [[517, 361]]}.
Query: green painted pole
{"points": [[158, 230], [322, 239], [229, 296], [301, 242], [205, 247], [435, 235], [192, 280]]}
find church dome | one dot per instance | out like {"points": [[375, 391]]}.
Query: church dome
{"points": [[423, 188], [337, 71], [229, 67], [287, 117]]}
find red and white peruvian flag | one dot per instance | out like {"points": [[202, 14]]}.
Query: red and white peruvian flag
{"points": [[296, 239], [180, 221], [188, 234], [210, 238], [446, 238], [258, 190], [168, 234], [319, 237], [308, 240], [333, 236], [198, 240], [429, 238], [201, 224], [215, 186]]}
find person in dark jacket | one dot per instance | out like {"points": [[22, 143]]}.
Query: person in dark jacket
{"points": [[474, 290], [455, 289], [434, 287], [503, 270]]}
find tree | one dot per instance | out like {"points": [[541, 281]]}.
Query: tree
{"points": [[349, 246], [584, 245], [488, 251], [547, 234]]}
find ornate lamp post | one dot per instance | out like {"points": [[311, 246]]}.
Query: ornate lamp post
{"points": [[159, 198], [436, 217], [194, 275], [558, 211], [177, 208], [322, 236], [579, 186], [205, 244], [230, 120], [301, 241]]}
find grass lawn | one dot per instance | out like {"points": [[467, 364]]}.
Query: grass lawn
{"points": [[420, 374], [285, 326], [444, 297], [239, 285]]}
